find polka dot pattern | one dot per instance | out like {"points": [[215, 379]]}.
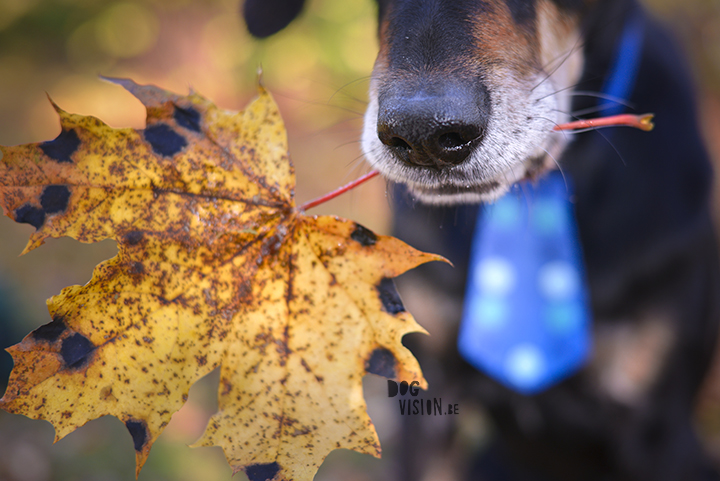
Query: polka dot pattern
{"points": [[558, 280], [496, 276], [525, 364], [526, 317], [491, 312]]}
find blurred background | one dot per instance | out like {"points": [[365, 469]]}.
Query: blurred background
{"points": [[317, 69]]}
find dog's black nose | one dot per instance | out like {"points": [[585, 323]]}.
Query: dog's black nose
{"points": [[432, 130]]}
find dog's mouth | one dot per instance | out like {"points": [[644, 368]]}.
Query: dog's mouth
{"points": [[456, 190], [452, 187]]}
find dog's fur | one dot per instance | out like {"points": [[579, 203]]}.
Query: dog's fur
{"points": [[463, 99]]}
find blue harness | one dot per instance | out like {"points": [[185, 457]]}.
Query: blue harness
{"points": [[526, 319]]}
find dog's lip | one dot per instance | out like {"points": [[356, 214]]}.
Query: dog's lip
{"points": [[454, 190], [432, 183]]}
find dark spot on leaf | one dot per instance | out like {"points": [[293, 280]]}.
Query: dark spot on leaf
{"points": [[106, 393], [50, 332], [262, 472], [201, 360], [55, 198], [76, 350], [137, 268], [29, 214], [389, 296], [381, 362], [188, 118], [272, 245], [139, 433], [227, 388], [364, 236], [134, 237], [62, 148], [164, 140]]}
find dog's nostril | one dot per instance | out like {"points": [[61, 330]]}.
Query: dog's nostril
{"points": [[398, 142], [451, 141]]}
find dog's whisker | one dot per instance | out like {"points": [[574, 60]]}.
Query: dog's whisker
{"points": [[589, 110], [356, 163], [363, 155], [553, 122], [585, 93], [316, 103], [560, 169], [564, 89], [347, 95], [355, 168], [597, 129], [345, 144], [578, 44]]}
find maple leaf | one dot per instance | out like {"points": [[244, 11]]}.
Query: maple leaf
{"points": [[216, 267]]}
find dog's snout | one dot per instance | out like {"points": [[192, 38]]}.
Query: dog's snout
{"points": [[432, 131], [427, 143]]}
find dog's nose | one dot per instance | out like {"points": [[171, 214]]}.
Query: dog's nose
{"points": [[432, 131]]}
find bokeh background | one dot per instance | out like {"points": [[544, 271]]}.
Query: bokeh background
{"points": [[318, 71]]}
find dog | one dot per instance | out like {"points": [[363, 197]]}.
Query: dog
{"points": [[463, 99]]}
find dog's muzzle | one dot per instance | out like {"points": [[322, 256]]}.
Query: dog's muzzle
{"points": [[457, 141]]}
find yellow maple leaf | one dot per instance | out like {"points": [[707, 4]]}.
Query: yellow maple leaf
{"points": [[216, 267]]}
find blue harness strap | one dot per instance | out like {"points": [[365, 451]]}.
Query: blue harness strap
{"points": [[623, 73], [526, 319]]}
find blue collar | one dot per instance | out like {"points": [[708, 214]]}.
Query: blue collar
{"points": [[621, 78]]}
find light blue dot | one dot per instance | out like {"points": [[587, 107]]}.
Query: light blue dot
{"points": [[525, 365], [505, 212], [559, 280], [490, 313], [495, 276], [547, 216], [564, 318]]}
